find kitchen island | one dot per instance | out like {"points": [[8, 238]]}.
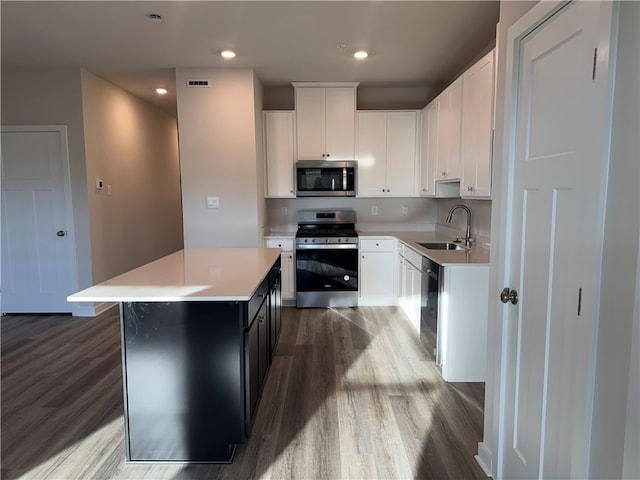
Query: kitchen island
{"points": [[198, 329]]}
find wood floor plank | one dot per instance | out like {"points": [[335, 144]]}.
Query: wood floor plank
{"points": [[351, 394]]}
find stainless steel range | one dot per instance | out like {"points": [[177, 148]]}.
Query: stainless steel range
{"points": [[326, 259]]}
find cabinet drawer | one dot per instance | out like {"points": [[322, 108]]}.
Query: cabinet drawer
{"points": [[376, 244], [413, 257], [256, 300], [286, 244]]}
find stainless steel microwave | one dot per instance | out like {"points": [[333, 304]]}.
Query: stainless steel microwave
{"points": [[325, 179]]}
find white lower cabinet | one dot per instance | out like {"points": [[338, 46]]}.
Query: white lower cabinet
{"points": [[462, 313], [288, 264], [376, 271], [462, 322], [410, 284]]}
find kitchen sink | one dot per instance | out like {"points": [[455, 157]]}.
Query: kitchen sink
{"points": [[442, 246]]}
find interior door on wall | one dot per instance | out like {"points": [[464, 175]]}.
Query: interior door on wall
{"points": [[552, 246], [36, 255]]}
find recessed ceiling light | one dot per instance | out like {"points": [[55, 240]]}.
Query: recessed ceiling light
{"points": [[360, 54], [161, 91], [154, 17], [227, 54]]}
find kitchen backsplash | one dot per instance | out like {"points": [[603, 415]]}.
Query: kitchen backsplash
{"points": [[421, 213]]}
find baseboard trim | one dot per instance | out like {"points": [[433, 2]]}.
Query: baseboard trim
{"points": [[484, 459]]}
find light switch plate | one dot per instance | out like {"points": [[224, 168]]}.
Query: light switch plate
{"points": [[213, 202]]}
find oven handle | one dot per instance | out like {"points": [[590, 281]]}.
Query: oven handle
{"points": [[328, 246]]}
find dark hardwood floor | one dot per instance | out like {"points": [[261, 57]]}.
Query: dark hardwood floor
{"points": [[351, 394]]}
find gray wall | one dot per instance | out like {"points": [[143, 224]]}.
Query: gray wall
{"points": [[133, 147], [368, 98], [116, 136], [219, 134], [613, 424], [51, 96]]}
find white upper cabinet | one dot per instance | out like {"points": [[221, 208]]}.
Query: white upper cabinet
{"points": [[428, 150], [449, 105], [325, 122], [279, 141], [477, 128], [386, 153]]}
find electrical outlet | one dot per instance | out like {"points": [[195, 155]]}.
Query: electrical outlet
{"points": [[213, 202], [284, 211], [405, 210], [374, 209]]}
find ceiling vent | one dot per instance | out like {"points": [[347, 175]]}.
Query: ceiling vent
{"points": [[198, 83]]}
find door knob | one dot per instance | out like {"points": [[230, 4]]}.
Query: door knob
{"points": [[61, 233], [509, 296]]}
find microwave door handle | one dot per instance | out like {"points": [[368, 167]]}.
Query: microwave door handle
{"points": [[344, 179]]}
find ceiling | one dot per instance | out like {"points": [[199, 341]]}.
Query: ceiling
{"points": [[410, 44]]}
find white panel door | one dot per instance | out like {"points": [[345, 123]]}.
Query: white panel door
{"points": [[552, 247], [36, 259]]}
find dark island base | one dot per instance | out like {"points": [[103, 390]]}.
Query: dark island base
{"points": [[182, 367], [193, 373]]}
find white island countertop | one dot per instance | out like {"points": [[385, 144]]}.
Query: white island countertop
{"points": [[195, 274]]}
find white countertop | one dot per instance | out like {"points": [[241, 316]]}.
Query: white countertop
{"points": [[474, 255], [195, 274]]}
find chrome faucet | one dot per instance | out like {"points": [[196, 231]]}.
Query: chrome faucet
{"points": [[467, 238]]}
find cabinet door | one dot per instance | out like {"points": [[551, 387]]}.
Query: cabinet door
{"points": [[401, 153], [279, 153], [449, 104], [310, 122], [252, 373], [477, 128], [416, 292], [372, 154], [340, 111], [288, 276], [263, 342], [376, 268], [428, 150]]}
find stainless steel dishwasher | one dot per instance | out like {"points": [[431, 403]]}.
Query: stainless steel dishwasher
{"points": [[431, 284]]}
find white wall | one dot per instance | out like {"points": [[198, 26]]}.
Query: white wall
{"points": [[631, 461], [619, 266], [133, 147], [51, 96], [219, 157], [510, 12]]}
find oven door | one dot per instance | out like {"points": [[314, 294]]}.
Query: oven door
{"points": [[326, 275]]}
